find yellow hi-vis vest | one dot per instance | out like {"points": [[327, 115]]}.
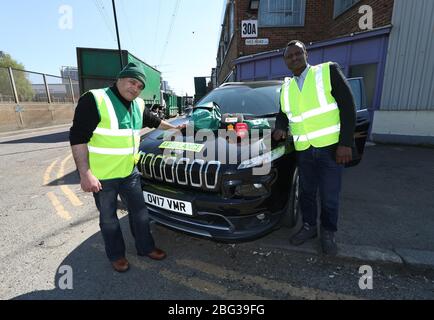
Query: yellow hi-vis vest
{"points": [[114, 145], [313, 113]]}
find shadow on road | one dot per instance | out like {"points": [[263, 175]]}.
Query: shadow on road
{"points": [[93, 277], [387, 202], [71, 178]]}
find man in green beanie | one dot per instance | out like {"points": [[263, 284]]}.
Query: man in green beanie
{"points": [[105, 139]]}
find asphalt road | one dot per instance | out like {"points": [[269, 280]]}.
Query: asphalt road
{"points": [[49, 230], [388, 199]]}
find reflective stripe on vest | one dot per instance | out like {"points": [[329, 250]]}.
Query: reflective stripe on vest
{"points": [[113, 152], [313, 113]]}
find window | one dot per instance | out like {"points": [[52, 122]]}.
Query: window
{"points": [[243, 99], [342, 5], [369, 74], [281, 13], [356, 88]]}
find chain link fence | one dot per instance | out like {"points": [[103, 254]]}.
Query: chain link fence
{"points": [[20, 86], [6, 92]]}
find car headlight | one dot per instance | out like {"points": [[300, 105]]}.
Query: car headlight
{"points": [[263, 159]]}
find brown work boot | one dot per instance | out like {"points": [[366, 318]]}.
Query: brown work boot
{"points": [[157, 254], [121, 265]]}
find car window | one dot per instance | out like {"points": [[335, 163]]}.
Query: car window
{"points": [[356, 88], [243, 99]]}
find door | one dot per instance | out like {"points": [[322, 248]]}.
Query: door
{"points": [[362, 122]]}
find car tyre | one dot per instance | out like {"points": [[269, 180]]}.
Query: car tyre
{"points": [[292, 214]]}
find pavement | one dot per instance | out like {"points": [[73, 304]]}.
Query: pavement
{"points": [[388, 204], [387, 208]]}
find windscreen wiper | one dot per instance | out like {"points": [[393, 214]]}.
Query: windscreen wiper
{"points": [[267, 115]]}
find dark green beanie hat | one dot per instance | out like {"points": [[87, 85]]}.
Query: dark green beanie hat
{"points": [[132, 70]]}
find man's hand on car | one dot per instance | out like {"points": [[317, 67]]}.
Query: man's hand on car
{"points": [[343, 155], [181, 126]]}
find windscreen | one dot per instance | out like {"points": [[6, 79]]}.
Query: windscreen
{"points": [[243, 99]]}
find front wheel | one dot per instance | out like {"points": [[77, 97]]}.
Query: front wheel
{"points": [[292, 214]]}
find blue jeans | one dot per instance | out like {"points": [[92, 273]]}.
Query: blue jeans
{"points": [[318, 170], [130, 190]]}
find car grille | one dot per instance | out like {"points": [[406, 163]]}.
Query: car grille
{"points": [[182, 171]]}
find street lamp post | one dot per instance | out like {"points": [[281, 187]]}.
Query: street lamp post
{"points": [[117, 34]]}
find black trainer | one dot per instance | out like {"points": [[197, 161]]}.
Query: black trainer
{"points": [[328, 242], [305, 233]]}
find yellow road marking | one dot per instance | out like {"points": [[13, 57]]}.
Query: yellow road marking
{"points": [[60, 210], [191, 282], [48, 172], [267, 284], [72, 197], [209, 287]]}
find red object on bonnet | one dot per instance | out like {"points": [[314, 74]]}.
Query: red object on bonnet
{"points": [[242, 130]]}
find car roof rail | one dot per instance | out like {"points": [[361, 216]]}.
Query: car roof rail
{"points": [[227, 84], [252, 84]]}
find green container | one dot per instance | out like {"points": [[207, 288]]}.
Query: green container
{"points": [[98, 68], [206, 116], [171, 104], [260, 124], [153, 79]]}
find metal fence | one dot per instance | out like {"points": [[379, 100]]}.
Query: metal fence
{"points": [[21, 86]]}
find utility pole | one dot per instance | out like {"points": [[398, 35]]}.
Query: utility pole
{"points": [[117, 34]]}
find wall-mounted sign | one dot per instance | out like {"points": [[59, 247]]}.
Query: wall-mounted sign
{"points": [[249, 28], [257, 42]]}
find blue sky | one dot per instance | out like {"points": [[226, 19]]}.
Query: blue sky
{"points": [[30, 32]]}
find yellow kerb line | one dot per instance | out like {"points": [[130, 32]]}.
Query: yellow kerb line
{"points": [[60, 210], [65, 189], [264, 283], [48, 172]]}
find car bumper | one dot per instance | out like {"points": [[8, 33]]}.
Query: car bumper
{"points": [[227, 220]]}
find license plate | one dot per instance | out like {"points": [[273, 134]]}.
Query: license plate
{"points": [[173, 205]]}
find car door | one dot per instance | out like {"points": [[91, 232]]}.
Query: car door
{"points": [[363, 120]]}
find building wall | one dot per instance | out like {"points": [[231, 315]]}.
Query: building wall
{"points": [[406, 113], [405, 127], [348, 21], [319, 25], [409, 74], [355, 54], [227, 65], [278, 36]]}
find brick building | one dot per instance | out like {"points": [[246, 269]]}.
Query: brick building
{"points": [[368, 38], [279, 21]]}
